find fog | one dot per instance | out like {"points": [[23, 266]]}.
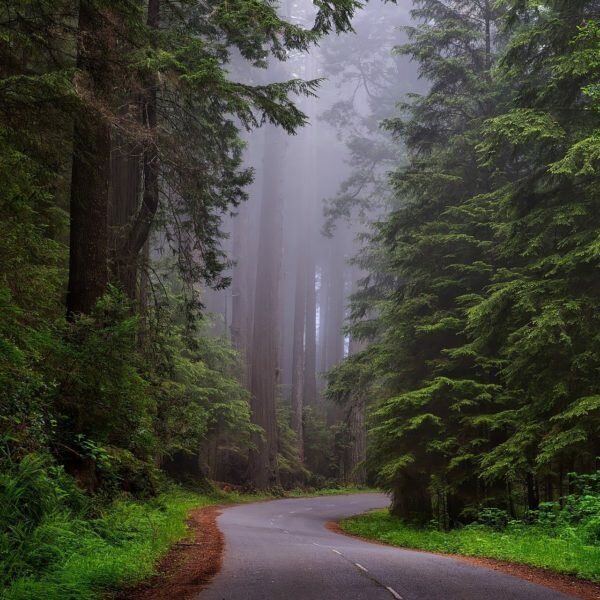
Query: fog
{"points": [[314, 194]]}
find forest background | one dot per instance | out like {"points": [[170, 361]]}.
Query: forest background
{"points": [[132, 134]]}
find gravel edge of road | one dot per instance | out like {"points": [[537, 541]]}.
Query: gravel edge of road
{"points": [[189, 565], [560, 582]]}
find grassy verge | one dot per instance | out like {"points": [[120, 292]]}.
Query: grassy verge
{"points": [[338, 491], [80, 559], [524, 544], [74, 558]]}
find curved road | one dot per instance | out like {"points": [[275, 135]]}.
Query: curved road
{"points": [[280, 550]]}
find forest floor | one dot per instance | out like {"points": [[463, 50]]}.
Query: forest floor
{"points": [[567, 566]]}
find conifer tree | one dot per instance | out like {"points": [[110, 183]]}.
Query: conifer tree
{"points": [[432, 255]]}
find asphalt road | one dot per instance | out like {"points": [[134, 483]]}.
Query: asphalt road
{"points": [[280, 550]]}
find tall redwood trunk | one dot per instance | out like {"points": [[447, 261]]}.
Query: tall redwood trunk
{"points": [[124, 192], [357, 453], [310, 343], [334, 338], [323, 304], [141, 226], [263, 469], [298, 359], [88, 245], [240, 302]]}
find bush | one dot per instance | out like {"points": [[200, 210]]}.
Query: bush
{"points": [[36, 500]]}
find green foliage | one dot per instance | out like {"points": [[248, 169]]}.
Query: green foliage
{"points": [[565, 550], [480, 305], [291, 468], [69, 552], [91, 408], [101, 394]]}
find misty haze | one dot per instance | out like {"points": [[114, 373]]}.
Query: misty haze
{"points": [[281, 280]]}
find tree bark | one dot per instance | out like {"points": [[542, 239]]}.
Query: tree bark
{"points": [[298, 360], [310, 349], [334, 342], [142, 224], [240, 303], [90, 174], [357, 452], [124, 193], [263, 469]]}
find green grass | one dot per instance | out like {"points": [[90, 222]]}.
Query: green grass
{"points": [[81, 559], [72, 558], [121, 547], [530, 545], [338, 491]]}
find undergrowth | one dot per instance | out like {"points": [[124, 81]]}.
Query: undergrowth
{"points": [[58, 544]]}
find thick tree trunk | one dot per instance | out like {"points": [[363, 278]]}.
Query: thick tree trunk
{"points": [[88, 259], [239, 303], [139, 231], [298, 360], [357, 453], [310, 345], [323, 316], [411, 498], [488, 33], [334, 341], [124, 193], [263, 470]]}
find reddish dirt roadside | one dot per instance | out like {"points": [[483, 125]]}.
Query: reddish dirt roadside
{"points": [[189, 565], [585, 590]]}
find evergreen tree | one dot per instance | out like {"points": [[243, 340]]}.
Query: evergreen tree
{"points": [[540, 311], [432, 257]]}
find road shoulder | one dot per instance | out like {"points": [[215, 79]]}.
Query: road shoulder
{"points": [[578, 588], [189, 565]]}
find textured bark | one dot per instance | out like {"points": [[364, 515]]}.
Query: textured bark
{"points": [[124, 194], [142, 224], [88, 259], [240, 305], [263, 470], [357, 453]]}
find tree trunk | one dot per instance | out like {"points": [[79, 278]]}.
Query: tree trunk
{"points": [[358, 441], [88, 245], [323, 305], [310, 344], [142, 224], [124, 192], [334, 342], [488, 34], [263, 470], [298, 360], [239, 292]]}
